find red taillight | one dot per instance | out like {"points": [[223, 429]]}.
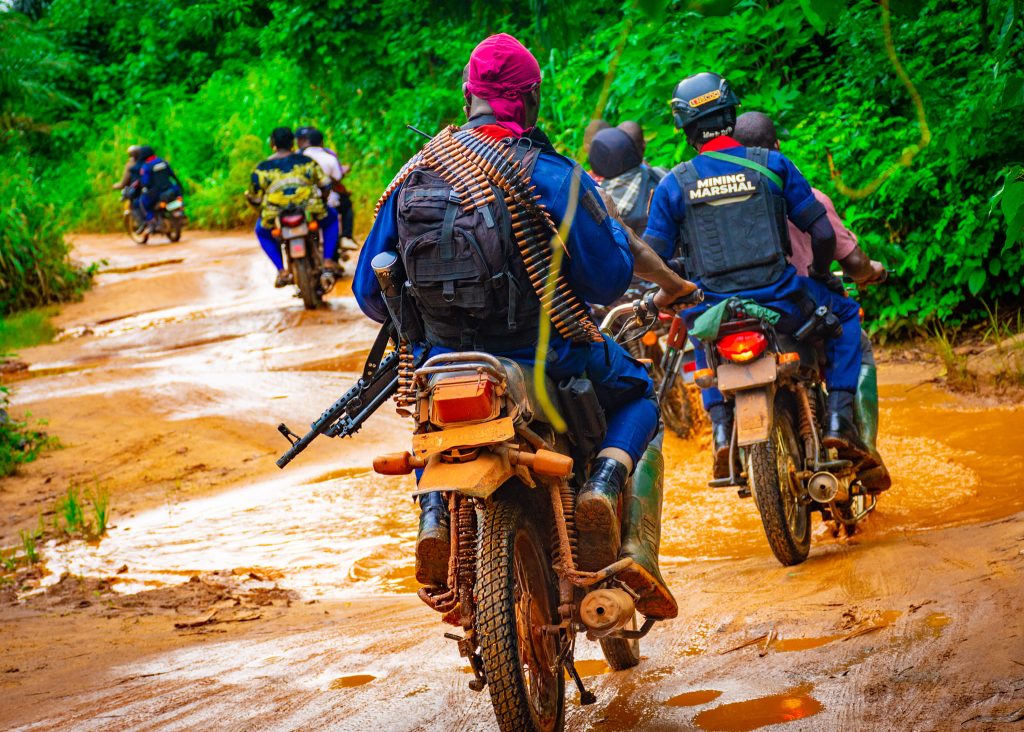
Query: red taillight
{"points": [[742, 346], [689, 367], [293, 220], [463, 399]]}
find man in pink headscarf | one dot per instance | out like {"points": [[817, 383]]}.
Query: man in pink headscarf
{"points": [[463, 307], [505, 75]]}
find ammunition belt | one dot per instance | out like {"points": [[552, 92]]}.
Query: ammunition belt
{"points": [[475, 167]]}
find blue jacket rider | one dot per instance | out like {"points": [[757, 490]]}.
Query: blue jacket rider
{"points": [[599, 267], [729, 252], [158, 182]]}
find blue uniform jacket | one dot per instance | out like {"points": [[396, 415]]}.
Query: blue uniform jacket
{"points": [[668, 207], [599, 265]]}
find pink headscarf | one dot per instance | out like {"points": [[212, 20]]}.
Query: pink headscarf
{"points": [[501, 71]]}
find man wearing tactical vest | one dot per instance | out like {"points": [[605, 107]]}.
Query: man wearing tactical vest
{"points": [[725, 211], [471, 290], [756, 129]]}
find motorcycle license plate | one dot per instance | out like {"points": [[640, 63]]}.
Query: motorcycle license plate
{"points": [[297, 248], [737, 376], [289, 232], [174, 205]]}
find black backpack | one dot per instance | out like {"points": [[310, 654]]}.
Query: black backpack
{"points": [[464, 270]]}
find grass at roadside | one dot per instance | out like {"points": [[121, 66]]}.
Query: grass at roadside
{"points": [[26, 329]]}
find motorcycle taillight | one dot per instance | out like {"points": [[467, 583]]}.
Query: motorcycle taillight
{"points": [[743, 346], [293, 220], [461, 399]]}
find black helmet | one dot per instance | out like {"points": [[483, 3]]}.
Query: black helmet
{"points": [[700, 95]]}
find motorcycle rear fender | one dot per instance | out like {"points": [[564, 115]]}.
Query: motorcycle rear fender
{"points": [[477, 478], [754, 413]]}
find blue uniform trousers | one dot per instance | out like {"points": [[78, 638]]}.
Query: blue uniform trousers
{"points": [[623, 388], [272, 248], [843, 354]]}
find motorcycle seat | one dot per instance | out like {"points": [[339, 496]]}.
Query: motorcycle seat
{"points": [[523, 390]]}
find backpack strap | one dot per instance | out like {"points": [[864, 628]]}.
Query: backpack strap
{"points": [[751, 163]]}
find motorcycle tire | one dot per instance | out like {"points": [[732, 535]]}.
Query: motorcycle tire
{"points": [[174, 231], [517, 593], [308, 283], [771, 467], [621, 653]]}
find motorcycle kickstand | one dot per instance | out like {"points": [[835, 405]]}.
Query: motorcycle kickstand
{"points": [[586, 697]]}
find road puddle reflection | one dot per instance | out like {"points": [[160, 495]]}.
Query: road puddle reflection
{"points": [[693, 698], [755, 713], [347, 682]]}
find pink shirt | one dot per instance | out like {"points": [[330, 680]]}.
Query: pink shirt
{"points": [[802, 257]]}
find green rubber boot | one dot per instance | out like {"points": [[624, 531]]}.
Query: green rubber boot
{"points": [[642, 537], [876, 479]]}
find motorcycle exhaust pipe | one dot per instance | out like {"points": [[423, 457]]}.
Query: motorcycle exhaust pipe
{"points": [[607, 610], [824, 488]]}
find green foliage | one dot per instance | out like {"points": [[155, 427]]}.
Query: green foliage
{"points": [[204, 81], [35, 268], [69, 511], [99, 502], [19, 443], [27, 328]]}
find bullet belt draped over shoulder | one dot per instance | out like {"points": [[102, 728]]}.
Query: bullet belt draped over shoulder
{"points": [[471, 163]]}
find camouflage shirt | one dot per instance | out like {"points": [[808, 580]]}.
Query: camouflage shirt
{"points": [[293, 180]]}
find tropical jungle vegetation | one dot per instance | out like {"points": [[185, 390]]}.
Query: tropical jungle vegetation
{"points": [[907, 112]]}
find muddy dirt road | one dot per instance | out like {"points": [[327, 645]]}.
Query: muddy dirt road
{"points": [[231, 596]]}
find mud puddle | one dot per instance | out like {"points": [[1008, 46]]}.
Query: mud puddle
{"points": [[326, 540], [756, 713]]}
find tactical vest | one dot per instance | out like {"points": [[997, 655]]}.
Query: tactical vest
{"points": [[464, 270], [734, 236], [161, 177]]}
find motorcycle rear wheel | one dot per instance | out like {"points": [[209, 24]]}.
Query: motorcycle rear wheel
{"points": [[308, 284], [772, 466], [621, 653], [174, 231], [518, 595]]}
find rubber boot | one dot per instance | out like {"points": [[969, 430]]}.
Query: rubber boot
{"points": [[841, 430], [434, 542], [876, 479], [597, 516], [721, 433], [642, 538]]}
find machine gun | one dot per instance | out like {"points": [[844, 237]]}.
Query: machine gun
{"points": [[346, 416]]}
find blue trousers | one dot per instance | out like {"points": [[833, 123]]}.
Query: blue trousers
{"points": [[148, 201], [272, 247], [623, 388], [842, 368]]}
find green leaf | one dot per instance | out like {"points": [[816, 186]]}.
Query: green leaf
{"points": [[710, 8], [995, 266], [654, 9], [976, 281], [813, 17]]}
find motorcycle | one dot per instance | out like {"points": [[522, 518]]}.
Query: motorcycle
{"points": [[169, 218], [514, 587], [304, 253], [774, 381], [670, 358]]}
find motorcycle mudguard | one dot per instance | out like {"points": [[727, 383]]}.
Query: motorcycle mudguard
{"points": [[477, 478], [753, 415]]}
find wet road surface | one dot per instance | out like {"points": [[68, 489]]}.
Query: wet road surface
{"points": [[165, 388]]}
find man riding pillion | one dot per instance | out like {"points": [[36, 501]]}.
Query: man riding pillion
{"points": [[756, 129], [310, 141], [726, 211], [158, 183], [502, 97], [286, 178]]}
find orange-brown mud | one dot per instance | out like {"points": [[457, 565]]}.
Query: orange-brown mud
{"points": [[230, 595]]}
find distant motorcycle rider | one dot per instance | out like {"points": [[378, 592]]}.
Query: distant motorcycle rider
{"points": [[158, 182], [618, 159], [756, 129], [502, 97], [725, 211], [284, 179], [310, 141], [131, 169]]}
